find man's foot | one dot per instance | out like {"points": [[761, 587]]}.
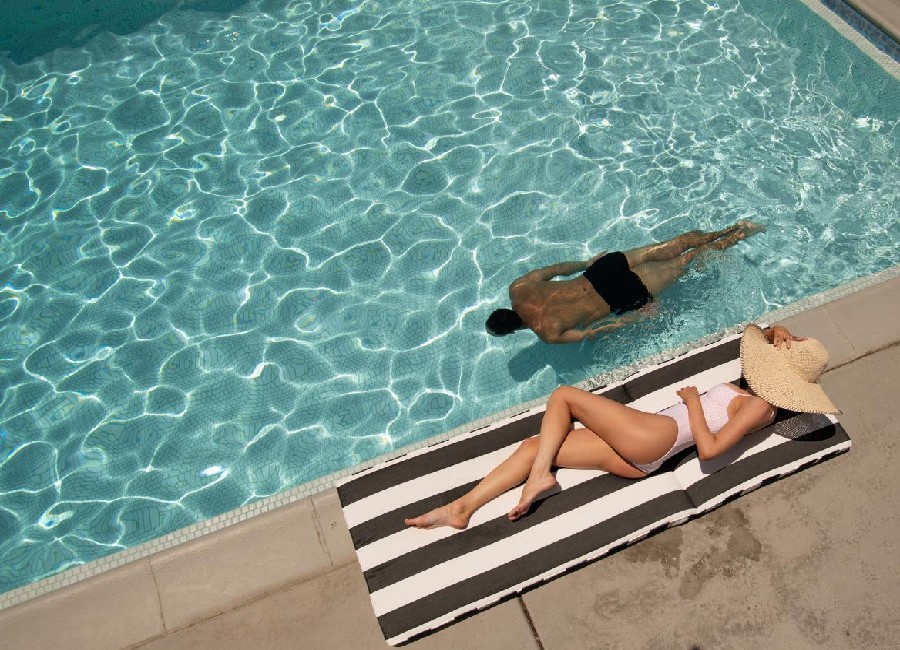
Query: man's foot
{"points": [[449, 515], [534, 491], [738, 232], [748, 228]]}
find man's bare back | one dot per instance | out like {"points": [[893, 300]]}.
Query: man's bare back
{"points": [[552, 307], [567, 311]]}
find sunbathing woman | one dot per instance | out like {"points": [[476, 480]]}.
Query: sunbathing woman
{"points": [[781, 371]]}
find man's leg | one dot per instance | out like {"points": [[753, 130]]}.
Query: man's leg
{"points": [[659, 275], [677, 246]]}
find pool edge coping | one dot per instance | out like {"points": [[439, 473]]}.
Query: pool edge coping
{"points": [[854, 33], [308, 490]]}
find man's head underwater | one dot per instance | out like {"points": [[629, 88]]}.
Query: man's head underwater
{"points": [[503, 321]]}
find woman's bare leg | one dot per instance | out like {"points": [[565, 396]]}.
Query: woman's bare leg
{"points": [[505, 476], [634, 435], [582, 449]]}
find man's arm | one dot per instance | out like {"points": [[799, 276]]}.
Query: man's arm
{"points": [[550, 272], [576, 335]]}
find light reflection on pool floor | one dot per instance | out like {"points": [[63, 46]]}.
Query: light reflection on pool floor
{"points": [[240, 254]]}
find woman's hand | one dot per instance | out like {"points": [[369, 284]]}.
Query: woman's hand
{"points": [[781, 336], [688, 393]]}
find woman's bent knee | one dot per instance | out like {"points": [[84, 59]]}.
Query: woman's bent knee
{"points": [[564, 394], [527, 449]]}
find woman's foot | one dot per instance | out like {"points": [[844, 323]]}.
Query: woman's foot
{"points": [[534, 490], [451, 514]]}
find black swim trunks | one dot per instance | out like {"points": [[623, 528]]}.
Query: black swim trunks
{"points": [[617, 284]]}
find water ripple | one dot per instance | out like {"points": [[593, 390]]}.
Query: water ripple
{"points": [[241, 253]]}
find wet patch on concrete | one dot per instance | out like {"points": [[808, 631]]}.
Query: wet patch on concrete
{"points": [[664, 548], [732, 546]]}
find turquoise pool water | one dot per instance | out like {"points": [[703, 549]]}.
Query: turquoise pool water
{"points": [[243, 251]]}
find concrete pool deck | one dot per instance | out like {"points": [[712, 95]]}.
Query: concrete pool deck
{"points": [[884, 13], [807, 562]]}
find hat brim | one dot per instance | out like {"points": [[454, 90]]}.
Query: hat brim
{"points": [[768, 374]]}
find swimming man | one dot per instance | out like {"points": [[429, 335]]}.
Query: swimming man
{"points": [[567, 311]]}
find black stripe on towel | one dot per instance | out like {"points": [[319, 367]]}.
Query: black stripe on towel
{"points": [[528, 567], [679, 369], [391, 522], [823, 435], [788, 425], [817, 434], [451, 454], [438, 459], [492, 531]]}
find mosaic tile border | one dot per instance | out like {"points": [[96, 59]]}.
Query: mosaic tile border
{"points": [[854, 14], [851, 24], [859, 30], [318, 486]]}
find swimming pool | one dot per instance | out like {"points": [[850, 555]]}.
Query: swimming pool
{"points": [[242, 252]]}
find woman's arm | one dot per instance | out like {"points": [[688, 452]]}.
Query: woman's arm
{"points": [[752, 414]]}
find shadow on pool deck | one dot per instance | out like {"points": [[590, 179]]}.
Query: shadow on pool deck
{"points": [[807, 562]]}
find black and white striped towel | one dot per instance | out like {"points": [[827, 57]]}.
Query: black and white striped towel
{"points": [[420, 580]]}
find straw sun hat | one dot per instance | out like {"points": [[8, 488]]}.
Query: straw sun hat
{"points": [[786, 378]]}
